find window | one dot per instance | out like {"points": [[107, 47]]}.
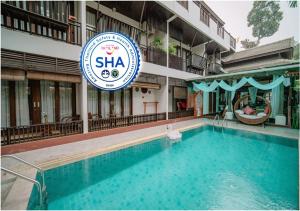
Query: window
{"points": [[5, 109], [91, 18], [48, 101], [204, 16], [92, 95], [220, 30], [65, 99], [22, 106]]}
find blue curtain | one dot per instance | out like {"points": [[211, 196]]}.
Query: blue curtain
{"points": [[277, 99], [252, 93], [209, 88], [217, 99], [205, 102]]}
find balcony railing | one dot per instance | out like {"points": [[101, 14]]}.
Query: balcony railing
{"points": [[109, 24], [23, 20], [21, 134], [154, 55], [232, 42], [109, 123], [181, 114]]}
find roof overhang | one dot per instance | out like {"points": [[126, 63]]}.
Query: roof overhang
{"points": [[277, 70]]}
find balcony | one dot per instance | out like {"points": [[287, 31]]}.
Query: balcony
{"points": [[232, 42], [113, 26], [23, 20]]}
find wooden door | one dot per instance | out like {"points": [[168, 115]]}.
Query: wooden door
{"points": [[35, 101]]}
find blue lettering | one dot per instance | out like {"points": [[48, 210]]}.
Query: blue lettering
{"points": [[107, 61], [99, 60], [120, 62]]}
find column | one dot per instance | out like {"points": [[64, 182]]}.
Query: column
{"points": [[167, 97], [83, 85]]}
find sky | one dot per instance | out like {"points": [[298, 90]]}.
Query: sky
{"points": [[234, 14]]}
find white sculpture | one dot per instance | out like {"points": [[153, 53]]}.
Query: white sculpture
{"points": [[173, 134]]}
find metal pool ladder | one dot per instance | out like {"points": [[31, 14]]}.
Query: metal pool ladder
{"points": [[41, 187], [216, 119]]}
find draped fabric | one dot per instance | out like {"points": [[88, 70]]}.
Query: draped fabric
{"points": [[65, 98], [5, 118], [105, 107], [252, 93], [22, 106], [217, 99], [209, 88], [276, 99], [127, 102], [92, 96], [233, 92], [228, 100], [205, 103], [117, 106], [48, 101]]}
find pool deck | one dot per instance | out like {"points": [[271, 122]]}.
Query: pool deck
{"points": [[62, 154]]}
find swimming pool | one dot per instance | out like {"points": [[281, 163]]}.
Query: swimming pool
{"points": [[209, 169]]}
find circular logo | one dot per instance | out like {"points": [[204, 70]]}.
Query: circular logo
{"points": [[110, 61]]}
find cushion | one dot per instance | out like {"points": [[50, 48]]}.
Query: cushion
{"points": [[261, 114], [267, 110], [239, 112], [250, 116], [248, 110]]}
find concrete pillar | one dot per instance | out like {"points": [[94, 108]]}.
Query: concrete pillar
{"points": [[167, 50], [167, 97], [83, 85]]}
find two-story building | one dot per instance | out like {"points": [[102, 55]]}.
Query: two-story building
{"points": [[43, 93]]}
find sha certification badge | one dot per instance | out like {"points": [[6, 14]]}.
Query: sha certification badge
{"points": [[110, 61]]}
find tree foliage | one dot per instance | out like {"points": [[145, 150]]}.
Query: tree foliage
{"points": [[264, 18]]}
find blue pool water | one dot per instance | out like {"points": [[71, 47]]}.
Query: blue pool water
{"points": [[208, 169]]}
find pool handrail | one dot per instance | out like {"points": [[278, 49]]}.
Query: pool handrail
{"points": [[41, 171], [27, 179]]}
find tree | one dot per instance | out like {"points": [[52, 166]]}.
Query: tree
{"points": [[264, 18]]}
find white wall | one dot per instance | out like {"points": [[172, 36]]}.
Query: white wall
{"points": [[164, 71], [138, 99], [21, 41]]}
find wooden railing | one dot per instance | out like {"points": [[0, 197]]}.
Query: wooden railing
{"points": [[156, 56], [21, 134], [109, 123], [26, 21], [176, 62], [180, 114]]}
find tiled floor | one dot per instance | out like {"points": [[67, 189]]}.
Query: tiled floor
{"points": [[65, 153]]}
